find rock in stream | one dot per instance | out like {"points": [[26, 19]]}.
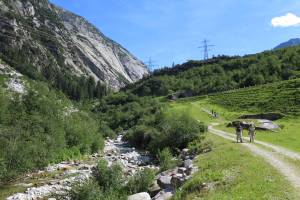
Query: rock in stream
{"points": [[68, 173]]}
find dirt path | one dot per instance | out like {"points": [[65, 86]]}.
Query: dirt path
{"points": [[281, 150], [271, 156]]}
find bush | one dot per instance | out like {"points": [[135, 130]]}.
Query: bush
{"points": [[107, 184], [3, 170], [139, 136], [176, 132], [35, 131], [141, 181], [109, 178], [87, 191], [166, 159], [200, 145]]}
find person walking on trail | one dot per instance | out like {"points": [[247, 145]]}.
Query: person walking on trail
{"points": [[239, 133], [252, 132]]}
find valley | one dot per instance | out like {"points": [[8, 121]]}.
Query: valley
{"points": [[82, 118]]}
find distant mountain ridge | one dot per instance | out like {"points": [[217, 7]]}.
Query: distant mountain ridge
{"points": [[290, 43], [44, 36]]}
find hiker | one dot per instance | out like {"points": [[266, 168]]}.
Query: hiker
{"points": [[239, 133], [252, 132]]}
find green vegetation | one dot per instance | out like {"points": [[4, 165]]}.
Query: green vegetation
{"points": [[108, 184], [39, 127], [146, 125], [277, 97], [166, 160], [222, 73], [232, 172], [141, 181]]}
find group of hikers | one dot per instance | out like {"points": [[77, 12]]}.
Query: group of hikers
{"points": [[239, 132], [239, 129]]}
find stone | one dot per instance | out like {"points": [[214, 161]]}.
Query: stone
{"points": [[154, 189], [165, 194], [188, 163], [182, 170], [191, 171], [164, 181], [80, 172], [140, 196], [177, 180], [267, 125], [169, 172], [185, 151], [84, 167]]}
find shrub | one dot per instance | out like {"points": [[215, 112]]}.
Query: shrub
{"points": [[139, 136], [108, 178], [87, 191], [3, 170], [176, 132], [141, 181], [200, 145], [166, 160]]}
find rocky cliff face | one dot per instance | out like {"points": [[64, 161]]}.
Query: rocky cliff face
{"points": [[36, 35]]}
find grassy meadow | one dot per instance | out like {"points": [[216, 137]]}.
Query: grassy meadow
{"points": [[278, 97], [232, 172]]}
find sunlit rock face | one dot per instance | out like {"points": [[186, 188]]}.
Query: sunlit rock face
{"points": [[51, 35]]}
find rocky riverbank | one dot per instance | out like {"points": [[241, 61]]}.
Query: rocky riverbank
{"points": [[59, 178], [166, 183]]}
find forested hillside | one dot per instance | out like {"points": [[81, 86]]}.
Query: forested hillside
{"points": [[40, 125], [222, 73]]}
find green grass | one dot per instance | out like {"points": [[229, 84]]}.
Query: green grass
{"points": [[279, 97], [194, 110], [7, 190], [237, 174], [282, 97], [287, 137]]}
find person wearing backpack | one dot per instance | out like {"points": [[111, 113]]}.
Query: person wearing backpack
{"points": [[252, 132], [239, 133]]}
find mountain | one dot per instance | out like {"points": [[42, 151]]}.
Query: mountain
{"points": [[38, 37], [221, 73], [290, 43]]}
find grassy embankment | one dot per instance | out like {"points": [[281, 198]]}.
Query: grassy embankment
{"points": [[281, 97], [235, 171]]}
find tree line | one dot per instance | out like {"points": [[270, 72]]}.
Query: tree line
{"points": [[222, 73]]}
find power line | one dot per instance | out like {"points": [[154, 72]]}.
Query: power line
{"points": [[150, 64], [205, 48]]}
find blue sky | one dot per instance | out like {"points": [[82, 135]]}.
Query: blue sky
{"points": [[171, 30]]}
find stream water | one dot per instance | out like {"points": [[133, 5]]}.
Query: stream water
{"points": [[58, 179]]}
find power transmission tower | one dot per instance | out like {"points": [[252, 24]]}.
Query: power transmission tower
{"points": [[150, 64], [205, 48]]}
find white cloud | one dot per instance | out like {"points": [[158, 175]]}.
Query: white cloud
{"points": [[287, 20]]}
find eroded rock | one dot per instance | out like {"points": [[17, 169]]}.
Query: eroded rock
{"points": [[140, 196]]}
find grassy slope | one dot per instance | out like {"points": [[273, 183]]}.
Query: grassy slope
{"points": [[238, 175], [279, 97]]}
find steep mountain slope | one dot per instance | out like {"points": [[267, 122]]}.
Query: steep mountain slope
{"points": [[40, 37], [290, 43]]}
